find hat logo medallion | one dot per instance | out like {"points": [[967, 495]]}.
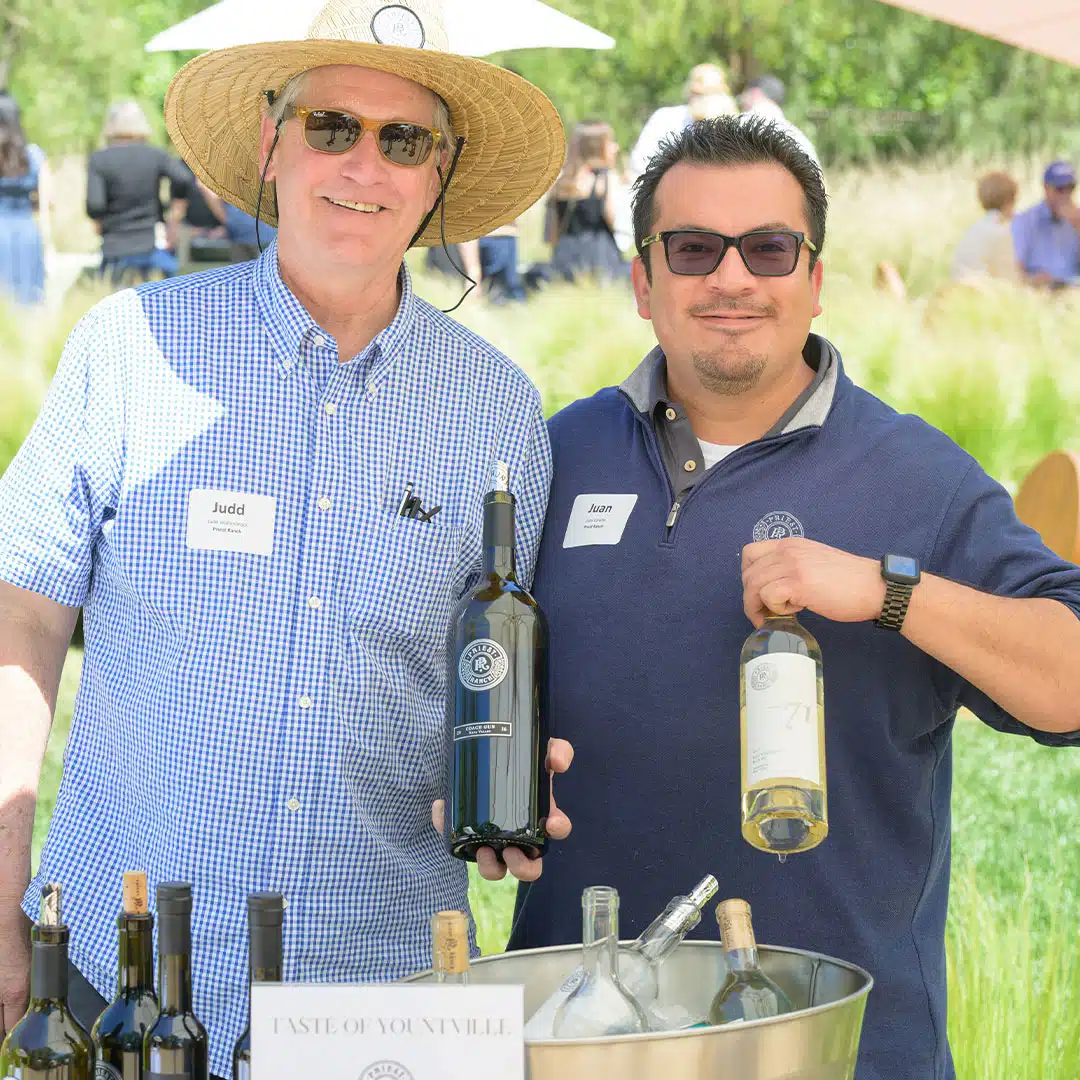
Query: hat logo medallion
{"points": [[396, 24]]}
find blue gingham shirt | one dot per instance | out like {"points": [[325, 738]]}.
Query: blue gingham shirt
{"points": [[247, 721]]}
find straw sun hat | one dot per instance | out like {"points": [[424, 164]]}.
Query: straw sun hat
{"points": [[514, 143]]}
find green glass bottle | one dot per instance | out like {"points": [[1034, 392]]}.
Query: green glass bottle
{"points": [[48, 1043]]}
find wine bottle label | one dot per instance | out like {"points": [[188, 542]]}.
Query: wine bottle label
{"points": [[483, 664], [487, 730], [781, 719], [102, 1071]]}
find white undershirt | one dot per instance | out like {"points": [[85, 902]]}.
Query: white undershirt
{"points": [[714, 452]]}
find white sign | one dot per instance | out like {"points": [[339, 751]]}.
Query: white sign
{"points": [[387, 1032], [598, 519], [231, 521]]}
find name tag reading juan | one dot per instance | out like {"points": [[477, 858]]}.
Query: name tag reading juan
{"points": [[386, 1032], [598, 519], [231, 521]]}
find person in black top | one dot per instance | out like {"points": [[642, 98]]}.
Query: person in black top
{"points": [[123, 195], [581, 210]]}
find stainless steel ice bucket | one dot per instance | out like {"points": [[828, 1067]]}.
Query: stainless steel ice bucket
{"points": [[818, 1043]]}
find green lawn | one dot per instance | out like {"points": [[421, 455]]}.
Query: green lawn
{"points": [[1014, 1011]]}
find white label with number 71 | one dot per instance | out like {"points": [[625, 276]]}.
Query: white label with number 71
{"points": [[781, 719]]}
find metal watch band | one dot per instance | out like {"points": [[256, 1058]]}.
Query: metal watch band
{"points": [[893, 611]]}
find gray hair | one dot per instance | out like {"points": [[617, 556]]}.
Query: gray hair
{"points": [[126, 120], [290, 94]]}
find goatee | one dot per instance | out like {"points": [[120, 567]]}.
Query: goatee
{"points": [[731, 372]]}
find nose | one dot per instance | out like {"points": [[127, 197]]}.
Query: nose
{"points": [[731, 278], [364, 163]]}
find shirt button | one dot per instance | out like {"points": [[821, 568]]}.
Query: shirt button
{"points": [[330, 408], [304, 702], [293, 804], [690, 466], [319, 341], [371, 389], [324, 502], [314, 603], [671, 414]]}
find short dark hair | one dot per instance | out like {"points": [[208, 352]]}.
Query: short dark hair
{"points": [[727, 141]]}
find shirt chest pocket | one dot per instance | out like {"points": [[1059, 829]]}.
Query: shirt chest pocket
{"points": [[404, 584]]}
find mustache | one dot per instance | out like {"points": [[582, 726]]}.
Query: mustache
{"points": [[732, 307]]}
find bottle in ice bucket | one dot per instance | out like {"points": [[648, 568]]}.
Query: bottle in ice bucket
{"points": [[599, 1004], [784, 799], [499, 788], [639, 962], [746, 993], [48, 1042], [450, 947]]}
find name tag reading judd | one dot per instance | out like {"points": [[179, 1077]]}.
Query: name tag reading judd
{"points": [[231, 521], [387, 1032]]}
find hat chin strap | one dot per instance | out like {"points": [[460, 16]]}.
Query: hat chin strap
{"points": [[439, 204]]}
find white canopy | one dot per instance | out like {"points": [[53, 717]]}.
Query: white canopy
{"points": [[1048, 27], [475, 27]]}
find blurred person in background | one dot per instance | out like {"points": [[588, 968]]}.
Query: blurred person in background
{"points": [[240, 229], [581, 211], [764, 97], [200, 237], [22, 248], [123, 195], [986, 249], [707, 95], [1047, 236]]}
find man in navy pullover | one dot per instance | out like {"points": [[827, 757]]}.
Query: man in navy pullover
{"points": [[738, 470]]}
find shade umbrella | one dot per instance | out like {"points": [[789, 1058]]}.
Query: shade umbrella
{"points": [[474, 27], [1048, 27]]}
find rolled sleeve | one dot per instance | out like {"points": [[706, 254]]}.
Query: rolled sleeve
{"points": [[983, 544], [62, 484]]}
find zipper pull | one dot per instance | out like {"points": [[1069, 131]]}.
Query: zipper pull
{"points": [[674, 513]]}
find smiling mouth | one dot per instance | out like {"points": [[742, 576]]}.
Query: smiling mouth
{"points": [[359, 207]]}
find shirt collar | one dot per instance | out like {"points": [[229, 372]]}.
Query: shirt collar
{"points": [[287, 322], [647, 388]]}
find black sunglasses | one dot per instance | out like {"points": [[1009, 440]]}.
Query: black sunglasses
{"points": [[698, 252], [333, 131]]}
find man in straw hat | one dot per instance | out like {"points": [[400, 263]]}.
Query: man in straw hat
{"points": [[263, 485]]}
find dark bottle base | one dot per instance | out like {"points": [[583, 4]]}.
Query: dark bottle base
{"points": [[466, 847]]}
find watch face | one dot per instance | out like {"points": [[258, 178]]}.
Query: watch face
{"points": [[902, 569]]}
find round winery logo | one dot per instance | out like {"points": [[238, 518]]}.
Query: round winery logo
{"points": [[483, 665], [104, 1071], [396, 24], [763, 676], [778, 526], [386, 1070]]}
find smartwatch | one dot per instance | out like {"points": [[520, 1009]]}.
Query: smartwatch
{"points": [[901, 574]]}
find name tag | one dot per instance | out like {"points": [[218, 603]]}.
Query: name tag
{"points": [[387, 1032], [598, 519], [231, 521]]}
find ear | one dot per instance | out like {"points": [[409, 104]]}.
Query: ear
{"points": [[642, 289], [817, 275], [267, 131]]}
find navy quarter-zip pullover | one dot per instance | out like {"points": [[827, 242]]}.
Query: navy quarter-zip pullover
{"points": [[647, 625]]}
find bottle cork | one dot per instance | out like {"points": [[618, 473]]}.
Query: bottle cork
{"points": [[450, 938], [736, 929], [136, 898]]}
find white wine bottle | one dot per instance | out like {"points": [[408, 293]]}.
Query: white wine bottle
{"points": [[639, 961], [784, 797], [746, 992], [450, 947], [599, 1004]]}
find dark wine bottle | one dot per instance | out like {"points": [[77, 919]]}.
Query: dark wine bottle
{"points": [[118, 1033], [48, 1043], [499, 790], [175, 1045], [266, 913]]}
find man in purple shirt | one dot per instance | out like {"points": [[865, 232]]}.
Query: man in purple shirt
{"points": [[1047, 236]]}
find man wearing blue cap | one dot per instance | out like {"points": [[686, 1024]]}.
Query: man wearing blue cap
{"points": [[1047, 236]]}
